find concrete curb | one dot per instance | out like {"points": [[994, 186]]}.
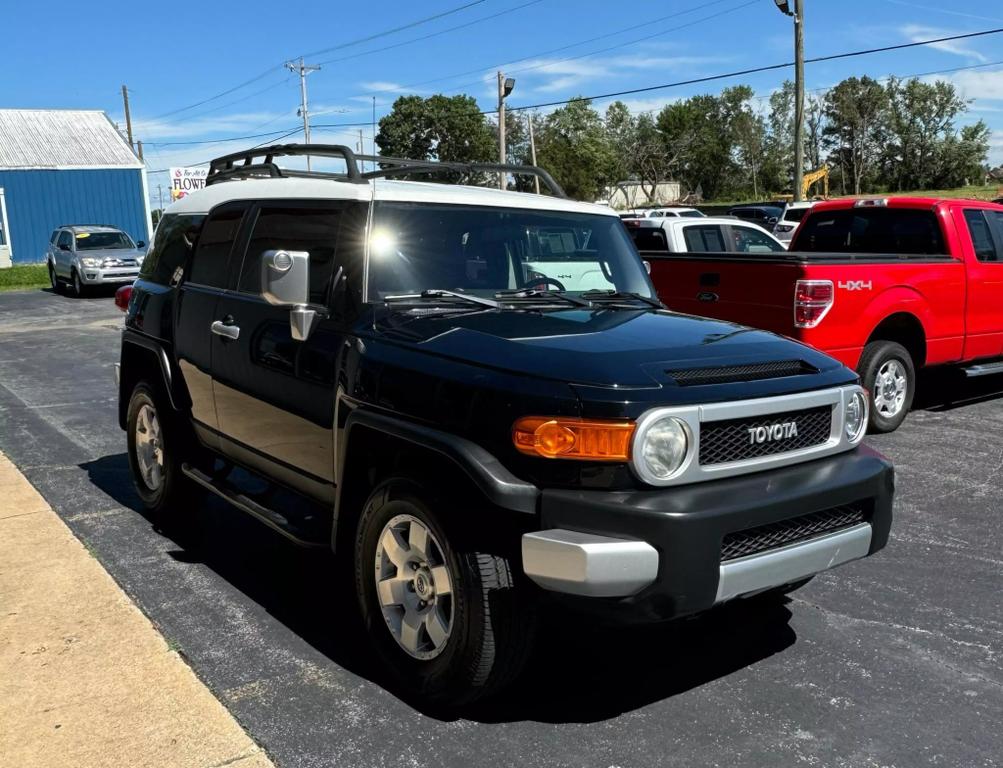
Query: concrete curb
{"points": [[85, 678]]}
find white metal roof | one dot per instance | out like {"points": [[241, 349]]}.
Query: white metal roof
{"points": [[383, 189], [61, 138]]}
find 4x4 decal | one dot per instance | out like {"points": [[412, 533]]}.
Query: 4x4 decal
{"points": [[855, 285]]}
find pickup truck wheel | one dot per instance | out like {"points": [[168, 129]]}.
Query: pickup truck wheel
{"points": [[155, 457], [888, 373], [448, 621]]}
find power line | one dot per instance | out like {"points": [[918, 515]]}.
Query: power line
{"points": [[213, 141], [432, 34], [401, 28], [296, 130], [756, 70], [357, 41], [549, 51]]}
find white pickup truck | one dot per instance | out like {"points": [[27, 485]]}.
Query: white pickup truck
{"points": [[715, 234]]}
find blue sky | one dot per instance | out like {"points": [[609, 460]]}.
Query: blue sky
{"points": [[174, 55]]}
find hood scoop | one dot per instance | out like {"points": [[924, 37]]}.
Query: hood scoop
{"points": [[730, 374]]}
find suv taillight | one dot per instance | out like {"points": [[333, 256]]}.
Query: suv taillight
{"points": [[122, 296], [812, 301]]}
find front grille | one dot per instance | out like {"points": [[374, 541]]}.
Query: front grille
{"points": [[752, 541], [731, 373], [737, 439], [109, 263]]}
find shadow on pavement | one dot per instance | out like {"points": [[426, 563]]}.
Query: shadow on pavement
{"points": [[580, 672], [948, 388]]}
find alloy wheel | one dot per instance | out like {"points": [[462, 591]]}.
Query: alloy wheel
{"points": [[890, 387], [414, 587], [149, 447]]}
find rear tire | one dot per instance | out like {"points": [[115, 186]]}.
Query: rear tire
{"points": [[888, 373], [449, 622], [156, 446]]}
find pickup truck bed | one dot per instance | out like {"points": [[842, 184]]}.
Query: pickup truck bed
{"points": [[936, 308]]}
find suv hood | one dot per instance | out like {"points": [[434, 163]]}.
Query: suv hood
{"points": [[597, 347]]}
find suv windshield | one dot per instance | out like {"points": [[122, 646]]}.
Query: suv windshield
{"points": [[92, 241], [871, 230], [480, 251]]}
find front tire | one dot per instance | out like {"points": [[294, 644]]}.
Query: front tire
{"points": [[78, 286], [448, 621], [57, 287], [156, 447], [887, 371]]}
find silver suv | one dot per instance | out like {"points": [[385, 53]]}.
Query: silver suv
{"points": [[84, 256]]}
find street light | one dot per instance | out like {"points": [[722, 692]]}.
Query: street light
{"points": [[505, 86], [798, 14]]}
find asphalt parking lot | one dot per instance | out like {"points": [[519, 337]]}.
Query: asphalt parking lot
{"points": [[896, 660]]}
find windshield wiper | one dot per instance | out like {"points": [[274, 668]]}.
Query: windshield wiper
{"points": [[533, 293], [600, 294], [440, 293]]}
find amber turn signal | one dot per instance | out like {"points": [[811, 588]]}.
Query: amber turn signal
{"points": [[567, 438]]}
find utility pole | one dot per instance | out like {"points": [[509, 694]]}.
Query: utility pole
{"points": [[798, 98], [505, 86], [303, 70], [532, 152], [798, 14], [139, 151], [160, 195], [128, 116]]}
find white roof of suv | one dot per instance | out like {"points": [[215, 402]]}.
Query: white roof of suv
{"points": [[378, 189]]}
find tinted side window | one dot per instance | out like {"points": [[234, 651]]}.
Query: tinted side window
{"points": [[53, 236], [65, 238], [294, 228], [172, 246], [996, 219], [649, 239], [749, 240], [982, 238], [214, 244], [706, 238]]}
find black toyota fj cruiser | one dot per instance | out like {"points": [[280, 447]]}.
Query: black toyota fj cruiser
{"points": [[476, 398]]}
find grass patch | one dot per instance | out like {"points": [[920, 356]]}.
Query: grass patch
{"points": [[24, 277]]}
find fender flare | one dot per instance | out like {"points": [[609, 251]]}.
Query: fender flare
{"points": [[897, 300], [485, 471], [164, 364]]}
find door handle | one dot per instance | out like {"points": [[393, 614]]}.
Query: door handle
{"points": [[226, 331]]}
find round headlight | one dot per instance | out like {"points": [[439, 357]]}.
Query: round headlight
{"points": [[663, 447], [855, 420]]}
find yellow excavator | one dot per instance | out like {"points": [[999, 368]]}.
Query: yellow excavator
{"points": [[808, 180]]}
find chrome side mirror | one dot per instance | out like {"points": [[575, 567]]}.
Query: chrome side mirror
{"points": [[285, 282]]}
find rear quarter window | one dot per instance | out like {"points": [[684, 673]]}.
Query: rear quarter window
{"points": [[172, 247], [871, 230]]}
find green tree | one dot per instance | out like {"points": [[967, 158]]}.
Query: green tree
{"points": [[923, 149], [571, 144], [856, 113], [437, 128]]}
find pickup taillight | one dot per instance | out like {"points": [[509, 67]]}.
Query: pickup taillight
{"points": [[812, 301], [122, 296]]}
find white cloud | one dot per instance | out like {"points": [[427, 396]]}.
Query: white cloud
{"points": [[977, 84], [180, 127], [996, 148], [918, 32]]}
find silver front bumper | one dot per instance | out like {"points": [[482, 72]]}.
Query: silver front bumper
{"points": [[108, 276], [776, 567], [599, 566], [585, 564]]}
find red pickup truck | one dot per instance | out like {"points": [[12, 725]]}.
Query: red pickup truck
{"points": [[885, 286]]}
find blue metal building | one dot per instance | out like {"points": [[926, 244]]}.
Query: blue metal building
{"points": [[65, 166]]}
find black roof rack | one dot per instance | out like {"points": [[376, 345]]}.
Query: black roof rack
{"points": [[227, 167], [399, 166], [240, 165]]}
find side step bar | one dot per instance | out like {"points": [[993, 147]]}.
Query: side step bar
{"points": [[985, 369], [273, 519]]}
